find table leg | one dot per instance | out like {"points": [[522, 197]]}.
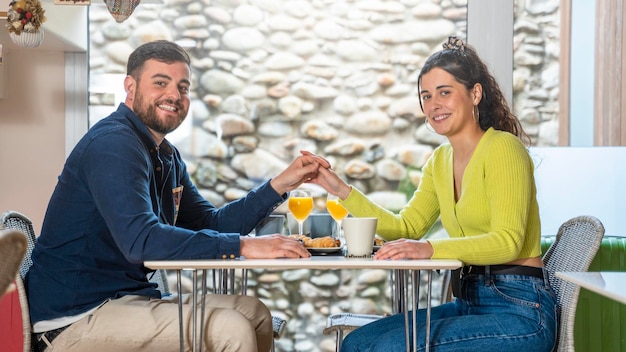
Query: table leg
{"points": [[415, 289], [231, 274], [180, 312], [203, 304], [428, 306], [405, 295], [244, 282], [399, 285], [194, 295]]}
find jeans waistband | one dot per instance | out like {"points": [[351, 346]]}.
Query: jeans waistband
{"points": [[501, 270], [469, 270]]}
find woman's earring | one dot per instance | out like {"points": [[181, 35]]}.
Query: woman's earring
{"points": [[476, 115]]}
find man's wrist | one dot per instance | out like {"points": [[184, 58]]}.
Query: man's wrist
{"points": [[274, 184]]}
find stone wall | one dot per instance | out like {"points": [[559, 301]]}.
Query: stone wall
{"points": [[272, 77]]}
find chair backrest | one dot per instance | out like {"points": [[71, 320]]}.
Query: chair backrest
{"points": [[14, 220], [17, 221], [160, 278], [576, 244]]}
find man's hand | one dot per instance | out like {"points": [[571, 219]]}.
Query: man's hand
{"points": [[273, 246]]}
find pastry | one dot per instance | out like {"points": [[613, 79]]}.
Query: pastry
{"points": [[319, 242], [323, 242]]}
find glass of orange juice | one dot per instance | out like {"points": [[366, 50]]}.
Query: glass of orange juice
{"points": [[300, 206], [337, 212]]}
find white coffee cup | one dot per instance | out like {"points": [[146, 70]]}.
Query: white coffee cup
{"points": [[359, 234]]}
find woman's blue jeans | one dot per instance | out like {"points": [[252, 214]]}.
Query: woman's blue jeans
{"points": [[497, 313]]}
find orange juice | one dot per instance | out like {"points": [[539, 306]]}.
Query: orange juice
{"points": [[300, 207], [336, 210]]}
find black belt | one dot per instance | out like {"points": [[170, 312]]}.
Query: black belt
{"points": [[469, 270], [502, 270], [39, 344]]}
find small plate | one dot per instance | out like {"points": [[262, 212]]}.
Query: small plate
{"points": [[323, 250]]}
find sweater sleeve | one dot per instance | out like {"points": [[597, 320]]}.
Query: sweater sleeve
{"points": [[413, 221]]}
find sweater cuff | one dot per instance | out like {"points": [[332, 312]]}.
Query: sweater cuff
{"points": [[439, 251], [354, 195]]}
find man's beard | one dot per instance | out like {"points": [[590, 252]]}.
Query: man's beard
{"points": [[148, 114]]}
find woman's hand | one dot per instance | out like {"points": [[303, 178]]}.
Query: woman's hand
{"points": [[332, 183], [405, 249], [272, 246]]}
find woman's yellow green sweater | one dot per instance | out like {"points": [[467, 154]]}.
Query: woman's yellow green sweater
{"points": [[495, 220]]}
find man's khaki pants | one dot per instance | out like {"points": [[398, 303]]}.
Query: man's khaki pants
{"points": [[136, 323]]}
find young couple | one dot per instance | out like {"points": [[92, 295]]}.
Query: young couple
{"points": [[124, 196]]}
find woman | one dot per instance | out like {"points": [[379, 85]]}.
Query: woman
{"points": [[481, 184]]}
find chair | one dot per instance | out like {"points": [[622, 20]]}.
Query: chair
{"points": [[278, 326], [12, 249], [160, 278], [341, 323], [576, 244], [13, 220]]}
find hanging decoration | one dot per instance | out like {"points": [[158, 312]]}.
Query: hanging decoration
{"points": [[121, 9], [72, 2], [24, 22]]}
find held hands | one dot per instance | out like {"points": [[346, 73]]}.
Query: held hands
{"points": [[330, 181], [303, 169], [273, 246], [405, 249]]}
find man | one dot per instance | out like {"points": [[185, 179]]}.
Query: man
{"points": [[124, 197]]}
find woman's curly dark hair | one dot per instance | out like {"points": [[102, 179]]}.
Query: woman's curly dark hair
{"points": [[464, 64]]}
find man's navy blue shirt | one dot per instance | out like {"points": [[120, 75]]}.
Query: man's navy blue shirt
{"points": [[115, 206]]}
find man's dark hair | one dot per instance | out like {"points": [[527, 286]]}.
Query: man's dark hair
{"points": [[160, 50]]}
